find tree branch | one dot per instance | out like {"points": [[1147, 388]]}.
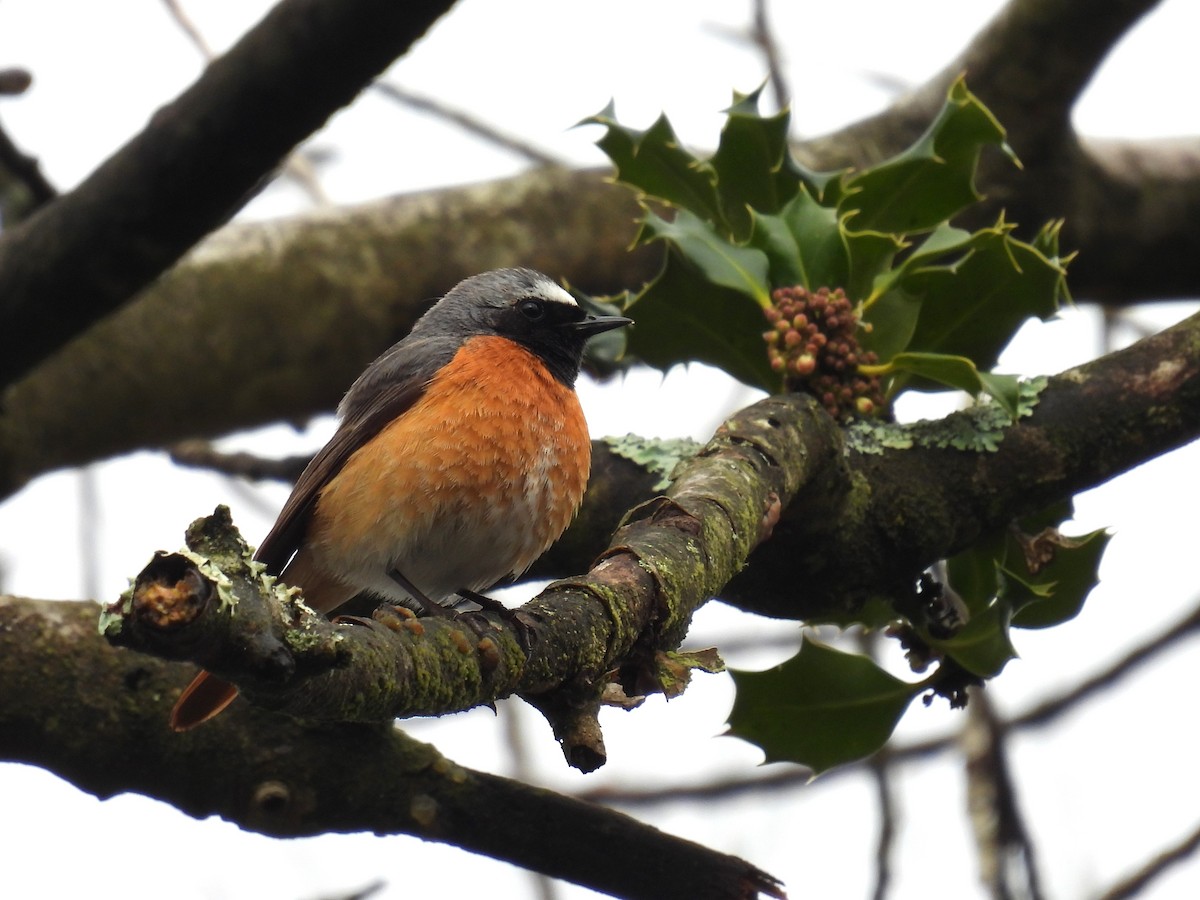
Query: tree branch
{"points": [[1003, 846], [468, 123], [1135, 884], [203, 455], [1127, 205], [191, 168], [112, 738], [1007, 65], [23, 187], [667, 559], [291, 311], [1129, 209], [883, 518], [675, 553], [896, 512]]}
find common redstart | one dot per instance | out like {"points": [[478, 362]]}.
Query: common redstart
{"points": [[461, 454]]}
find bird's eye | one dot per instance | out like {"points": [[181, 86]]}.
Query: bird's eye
{"points": [[533, 310]]}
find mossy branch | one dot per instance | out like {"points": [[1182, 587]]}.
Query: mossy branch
{"points": [[898, 511], [671, 555], [847, 525], [294, 779]]}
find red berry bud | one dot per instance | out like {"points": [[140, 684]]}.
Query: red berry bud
{"points": [[804, 364]]}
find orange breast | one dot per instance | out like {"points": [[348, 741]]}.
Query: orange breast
{"points": [[471, 484]]}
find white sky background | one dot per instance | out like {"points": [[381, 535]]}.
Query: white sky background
{"points": [[1110, 786]]}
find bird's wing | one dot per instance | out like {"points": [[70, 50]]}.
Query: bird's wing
{"points": [[388, 387]]}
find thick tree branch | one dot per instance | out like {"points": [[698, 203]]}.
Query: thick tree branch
{"points": [[1129, 210], [112, 738], [882, 517], [899, 511], [862, 524], [292, 311], [84, 255], [1030, 90]]}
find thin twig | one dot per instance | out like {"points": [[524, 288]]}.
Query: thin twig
{"points": [[994, 810], [297, 166], [764, 37], [880, 767], [203, 455], [1134, 884], [362, 893], [1049, 710], [468, 123], [881, 776], [188, 27], [521, 761]]}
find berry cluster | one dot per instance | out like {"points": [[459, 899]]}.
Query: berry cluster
{"points": [[813, 342]]}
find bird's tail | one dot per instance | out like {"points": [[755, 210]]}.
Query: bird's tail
{"points": [[204, 698]]}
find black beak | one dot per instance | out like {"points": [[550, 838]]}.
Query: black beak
{"points": [[597, 324]]}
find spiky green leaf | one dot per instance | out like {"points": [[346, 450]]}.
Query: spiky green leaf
{"points": [[653, 162], [871, 254], [932, 180], [821, 708], [1071, 575], [973, 306], [682, 316], [1042, 575], [804, 244], [727, 265], [960, 373], [983, 646], [749, 162]]}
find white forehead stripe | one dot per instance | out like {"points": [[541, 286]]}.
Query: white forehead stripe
{"points": [[552, 291]]}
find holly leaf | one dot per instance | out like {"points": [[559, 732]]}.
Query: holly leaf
{"points": [[974, 573], [983, 646], [973, 306], [892, 321], [773, 236], [1040, 574], [871, 254], [1070, 577], [960, 373], [682, 316], [749, 162], [654, 162], [821, 708], [804, 244], [932, 180], [940, 310], [728, 265]]}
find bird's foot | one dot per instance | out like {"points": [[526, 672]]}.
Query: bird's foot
{"points": [[421, 604], [512, 617]]}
